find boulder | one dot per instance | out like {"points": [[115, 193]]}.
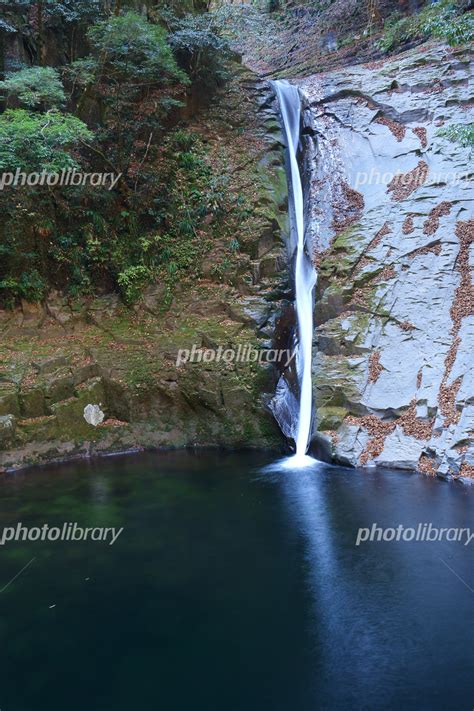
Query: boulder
{"points": [[7, 431]]}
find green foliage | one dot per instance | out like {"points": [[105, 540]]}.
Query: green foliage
{"points": [[76, 11], [36, 142], [132, 48], [459, 133], [157, 225], [397, 30], [78, 241], [184, 196], [82, 72], [189, 195], [443, 20], [135, 82], [132, 281], [30, 286], [183, 141], [200, 51], [234, 245], [69, 20], [35, 88]]}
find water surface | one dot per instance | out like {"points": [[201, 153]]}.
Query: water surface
{"points": [[234, 587]]}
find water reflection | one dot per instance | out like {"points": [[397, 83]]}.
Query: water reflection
{"points": [[234, 591], [372, 606]]}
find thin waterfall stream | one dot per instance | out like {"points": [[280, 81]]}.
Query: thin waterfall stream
{"points": [[304, 272]]}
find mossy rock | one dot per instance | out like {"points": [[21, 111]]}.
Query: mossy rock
{"points": [[118, 398], [86, 372], [40, 429], [93, 392], [330, 418], [272, 264], [69, 422], [32, 402], [336, 382], [333, 301], [7, 431], [9, 404], [350, 240], [50, 365], [59, 388]]}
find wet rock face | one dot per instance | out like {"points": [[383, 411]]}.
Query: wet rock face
{"points": [[395, 319]]}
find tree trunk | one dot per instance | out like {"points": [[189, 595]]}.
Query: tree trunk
{"points": [[41, 47]]}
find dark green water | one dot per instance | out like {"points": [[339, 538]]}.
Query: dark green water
{"points": [[233, 588]]}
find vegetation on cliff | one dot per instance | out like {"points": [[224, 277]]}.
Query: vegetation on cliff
{"points": [[443, 20], [109, 87], [121, 84]]}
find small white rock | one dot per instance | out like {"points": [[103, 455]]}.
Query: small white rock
{"points": [[93, 415]]}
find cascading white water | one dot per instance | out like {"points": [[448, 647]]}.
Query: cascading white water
{"points": [[305, 274]]}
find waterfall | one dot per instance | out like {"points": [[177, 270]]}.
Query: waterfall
{"points": [[304, 272]]}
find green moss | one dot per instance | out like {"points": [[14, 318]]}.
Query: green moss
{"points": [[347, 239], [336, 382], [32, 402], [9, 404], [330, 417], [41, 429]]}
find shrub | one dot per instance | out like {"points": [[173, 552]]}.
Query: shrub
{"points": [[398, 29], [134, 49], [132, 281], [36, 142], [80, 240], [200, 52], [34, 88], [30, 286], [77, 240], [182, 140], [443, 20], [135, 82], [76, 11], [459, 133]]}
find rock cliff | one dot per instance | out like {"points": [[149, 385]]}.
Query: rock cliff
{"points": [[393, 228], [58, 357]]}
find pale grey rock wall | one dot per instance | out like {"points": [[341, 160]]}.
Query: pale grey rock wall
{"points": [[393, 366]]}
